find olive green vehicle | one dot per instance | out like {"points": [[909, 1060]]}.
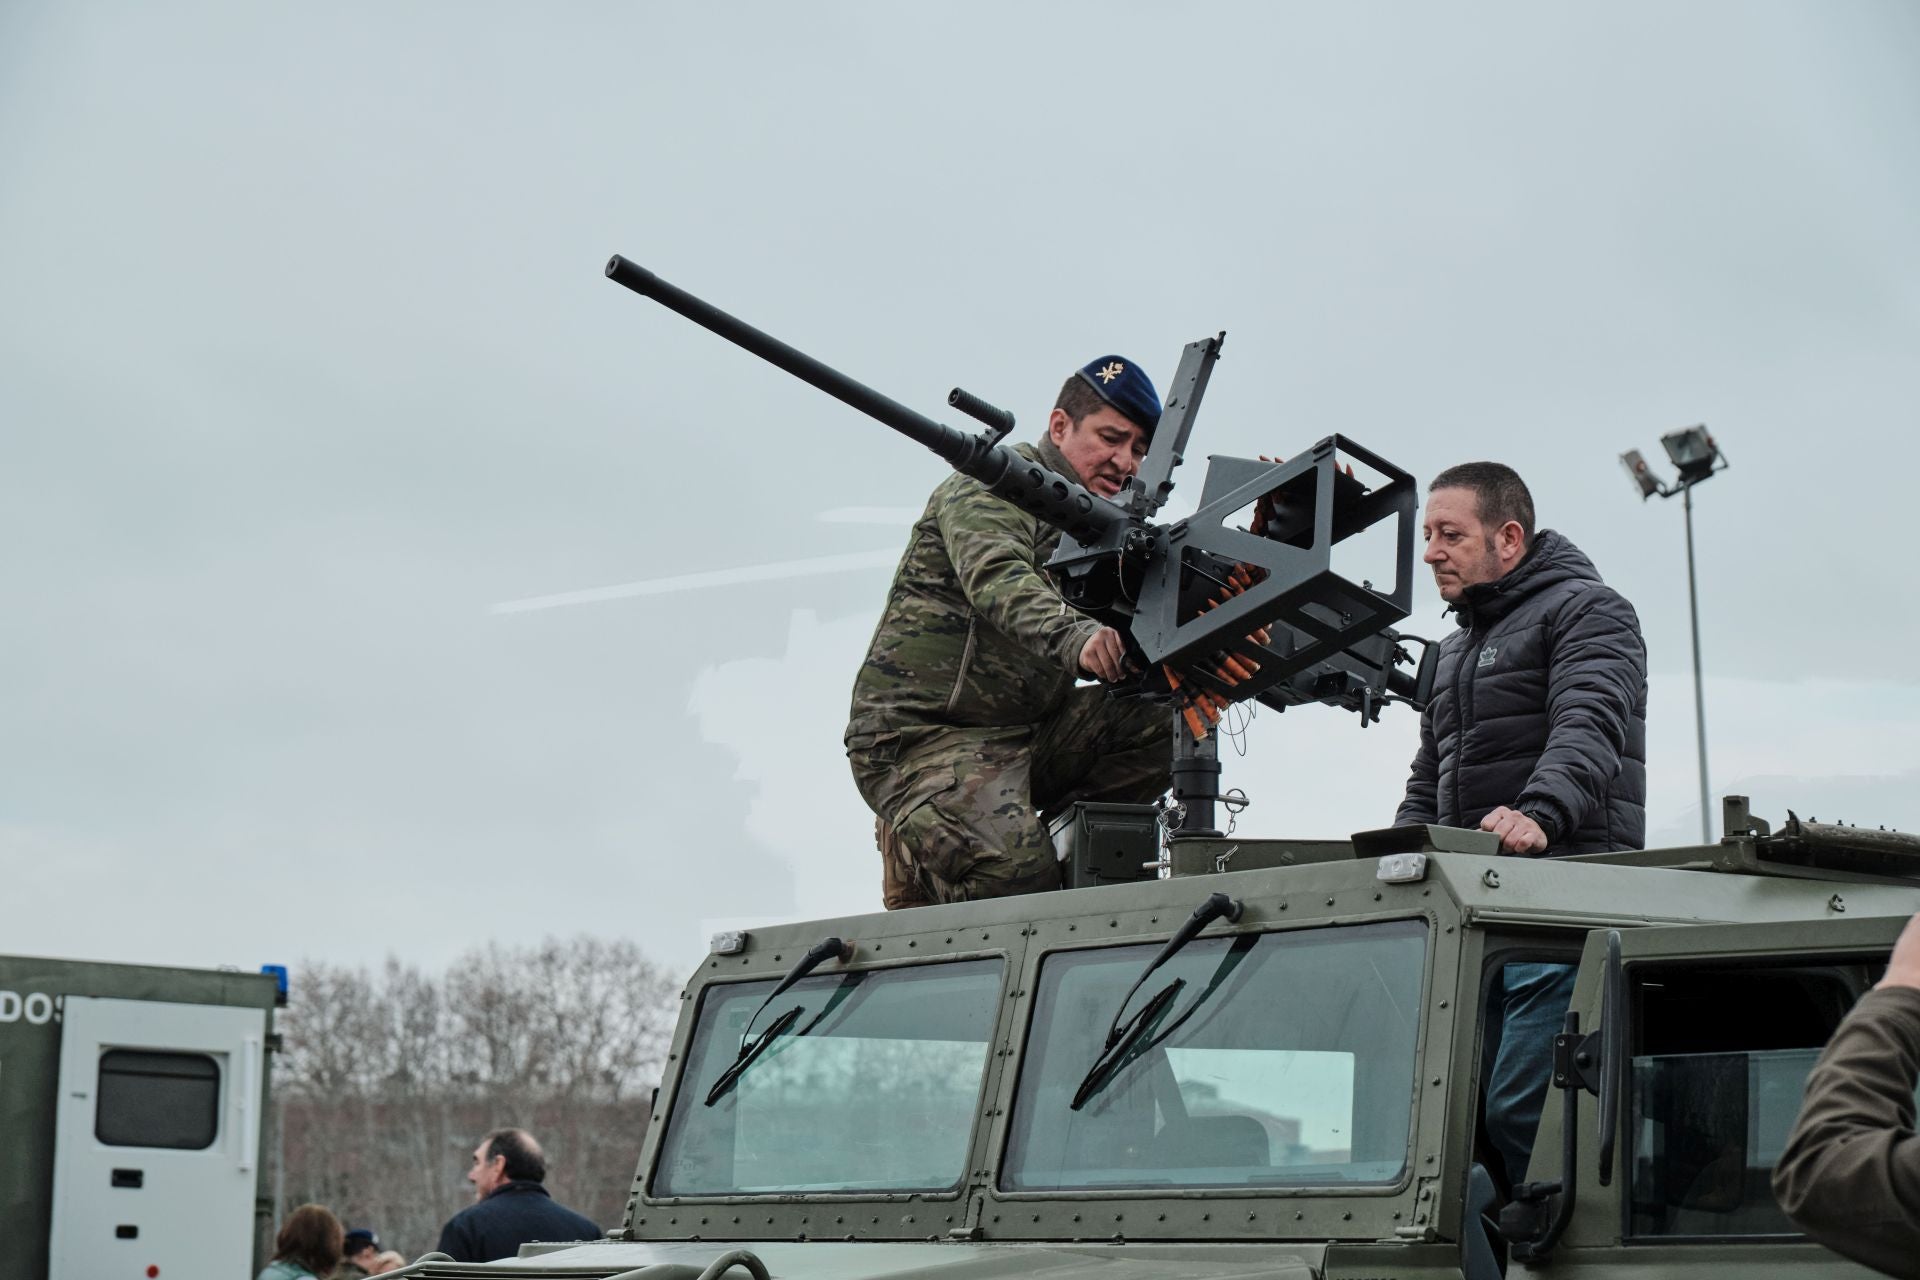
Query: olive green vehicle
{"points": [[1057, 1085]]}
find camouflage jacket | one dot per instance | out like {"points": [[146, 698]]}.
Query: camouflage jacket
{"points": [[973, 633]]}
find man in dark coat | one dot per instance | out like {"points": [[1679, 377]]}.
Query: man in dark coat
{"points": [[1537, 732], [513, 1207], [1850, 1175]]}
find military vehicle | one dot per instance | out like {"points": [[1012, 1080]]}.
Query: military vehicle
{"points": [[1215, 1056], [1267, 1064], [132, 1103]]}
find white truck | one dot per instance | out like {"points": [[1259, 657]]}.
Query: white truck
{"points": [[132, 1110]]}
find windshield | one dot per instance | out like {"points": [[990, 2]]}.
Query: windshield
{"points": [[1282, 1058], [829, 1105]]}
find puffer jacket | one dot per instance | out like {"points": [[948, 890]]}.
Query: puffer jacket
{"points": [[1539, 703]]}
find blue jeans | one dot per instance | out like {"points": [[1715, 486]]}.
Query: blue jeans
{"points": [[1531, 1002]]}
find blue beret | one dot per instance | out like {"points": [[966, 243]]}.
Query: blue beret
{"points": [[1122, 384]]}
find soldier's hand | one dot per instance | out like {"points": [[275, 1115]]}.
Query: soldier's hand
{"points": [[1904, 969], [1104, 656], [1518, 833]]}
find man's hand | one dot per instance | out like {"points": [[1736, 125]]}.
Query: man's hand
{"points": [[1904, 969], [1104, 656], [1520, 834]]}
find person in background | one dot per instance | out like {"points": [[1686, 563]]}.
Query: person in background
{"points": [[308, 1247], [357, 1254], [513, 1207], [1850, 1174]]}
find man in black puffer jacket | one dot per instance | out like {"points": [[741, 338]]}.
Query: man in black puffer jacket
{"points": [[1537, 732]]}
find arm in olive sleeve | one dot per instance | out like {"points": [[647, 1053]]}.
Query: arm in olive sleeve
{"points": [[1850, 1174], [994, 547]]}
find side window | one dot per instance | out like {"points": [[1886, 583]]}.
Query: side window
{"points": [[1720, 1061], [150, 1099]]}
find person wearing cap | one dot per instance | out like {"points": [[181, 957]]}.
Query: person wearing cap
{"points": [[357, 1254], [969, 725]]}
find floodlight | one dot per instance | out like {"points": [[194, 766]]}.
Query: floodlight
{"points": [[1697, 456], [1642, 474], [1693, 451]]}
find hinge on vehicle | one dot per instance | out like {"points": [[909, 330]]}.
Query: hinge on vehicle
{"points": [[1576, 1059], [965, 1233]]}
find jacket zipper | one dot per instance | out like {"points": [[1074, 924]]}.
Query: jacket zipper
{"points": [[1461, 710]]}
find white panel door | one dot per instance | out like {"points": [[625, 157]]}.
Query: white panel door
{"points": [[157, 1140]]}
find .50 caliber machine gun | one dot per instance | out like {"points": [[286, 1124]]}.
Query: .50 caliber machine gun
{"points": [[1212, 613]]}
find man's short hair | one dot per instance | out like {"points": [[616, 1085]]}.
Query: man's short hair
{"points": [[1497, 489], [525, 1161], [1078, 399]]}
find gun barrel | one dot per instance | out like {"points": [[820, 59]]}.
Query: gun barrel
{"points": [[955, 446], [1055, 499]]}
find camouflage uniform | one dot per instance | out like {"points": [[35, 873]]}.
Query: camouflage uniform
{"points": [[966, 717]]}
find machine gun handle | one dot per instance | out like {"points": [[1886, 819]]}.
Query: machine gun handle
{"points": [[999, 421]]}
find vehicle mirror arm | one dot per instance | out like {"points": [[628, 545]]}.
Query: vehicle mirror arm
{"points": [[1596, 1063], [1612, 1053], [1520, 1222]]}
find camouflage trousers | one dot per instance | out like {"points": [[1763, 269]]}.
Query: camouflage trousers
{"points": [[968, 806]]}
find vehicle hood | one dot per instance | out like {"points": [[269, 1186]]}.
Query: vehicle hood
{"points": [[883, 1260]]}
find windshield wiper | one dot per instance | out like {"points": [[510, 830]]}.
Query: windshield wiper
{"points": [[1123, 1050], [1127, 1036], [825, 949], [750, 1053]]}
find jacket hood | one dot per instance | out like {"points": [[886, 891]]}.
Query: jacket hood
{"points": [[1550, 561]]}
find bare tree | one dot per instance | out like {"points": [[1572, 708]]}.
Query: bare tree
{"points": [[385, 1082]]}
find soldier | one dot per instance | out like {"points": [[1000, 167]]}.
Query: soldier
{"points": [[967, 722]]}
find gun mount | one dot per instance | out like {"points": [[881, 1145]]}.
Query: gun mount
{"points": [[1213, 613]]}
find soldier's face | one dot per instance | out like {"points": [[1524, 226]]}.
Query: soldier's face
{"points": [[1104, 448], [1460, 548]]}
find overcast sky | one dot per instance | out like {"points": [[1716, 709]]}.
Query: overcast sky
{"points": [[307, 362]]}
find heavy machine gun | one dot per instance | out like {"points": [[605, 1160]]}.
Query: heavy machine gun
{"points": [[1213, 613]]}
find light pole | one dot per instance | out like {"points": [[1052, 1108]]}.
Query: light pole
{"points": [[1696, 456]]}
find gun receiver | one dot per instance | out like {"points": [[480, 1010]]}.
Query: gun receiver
{"points": [[1212, 613]]}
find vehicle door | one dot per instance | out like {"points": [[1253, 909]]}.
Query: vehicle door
{"points": [[157, 1137], [1719, 1027]]}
